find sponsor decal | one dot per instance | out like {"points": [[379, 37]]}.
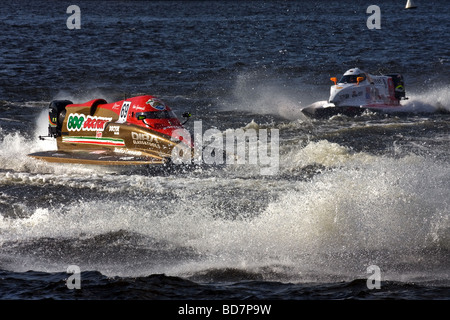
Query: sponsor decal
{"points": [[127, 152], [94, 140], [145, 139], [344, 96], [137, 107], [156, 104], [94, 123], [115, 129], [143, 136], [52, 121], [378, 81], [77, 122]]}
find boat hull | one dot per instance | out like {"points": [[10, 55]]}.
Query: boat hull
{"points": [[134, 131], [95, 158], [320, 112]]}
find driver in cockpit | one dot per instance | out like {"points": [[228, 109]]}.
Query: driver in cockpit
{"points": [[352, 78]]}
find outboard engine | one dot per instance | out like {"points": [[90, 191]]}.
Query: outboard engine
{"points": [[399, 85], [56, 115]]}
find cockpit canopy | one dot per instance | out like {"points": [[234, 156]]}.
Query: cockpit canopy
{"points": [[164, 114], [152, 108], [352, 78]]}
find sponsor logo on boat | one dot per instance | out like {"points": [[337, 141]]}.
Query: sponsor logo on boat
{"points": [[145, 139], [139, 108], [115, 129], [156, 104], [357, 94], [127, 152], [77, 122], [94, 140]]}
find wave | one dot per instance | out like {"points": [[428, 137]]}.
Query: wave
{"points": [[15, 147], [432, 100], [362, 210], [259, 96]]}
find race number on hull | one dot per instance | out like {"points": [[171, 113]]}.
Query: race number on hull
{"points": [[124, 112]]}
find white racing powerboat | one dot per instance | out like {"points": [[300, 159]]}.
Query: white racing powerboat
{"points": [[358, 91]]}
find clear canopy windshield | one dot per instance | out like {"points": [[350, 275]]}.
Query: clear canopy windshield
{"points": [[164, 114], [352, 78]]}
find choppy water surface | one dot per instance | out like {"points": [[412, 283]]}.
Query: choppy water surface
{"points": [[349, 193]]}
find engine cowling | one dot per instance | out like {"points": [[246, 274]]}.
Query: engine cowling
{"points": [[56, 115]]}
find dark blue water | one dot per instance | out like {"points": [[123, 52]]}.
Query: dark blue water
{"points": [[350, 192]]}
